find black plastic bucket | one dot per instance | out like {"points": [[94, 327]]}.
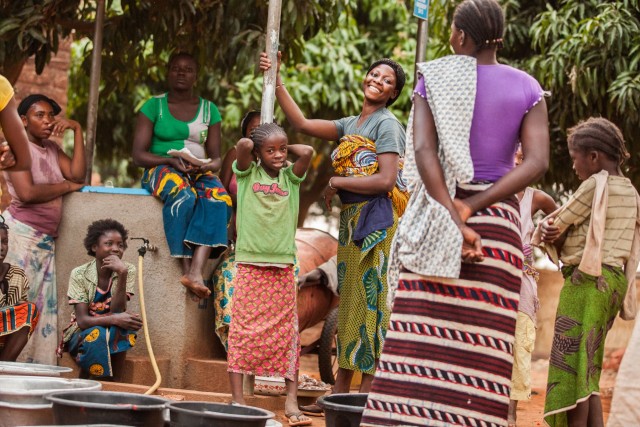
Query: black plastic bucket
{"points": [[343, 409], [102, 407], [200, 414]]}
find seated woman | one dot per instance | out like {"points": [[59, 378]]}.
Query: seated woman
{"points": [[18, 316], [36, 210], [101, 329], [196, 204]]}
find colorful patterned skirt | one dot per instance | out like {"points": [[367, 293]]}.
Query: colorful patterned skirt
{"points": [[263, 336], [15, 317], [92, 348], [34, 252], [363, 315], [196, 209], [222, 295], [586, 311], [448, 354]]}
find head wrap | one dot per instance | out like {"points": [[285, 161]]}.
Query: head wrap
{"points": [[26, 103]]}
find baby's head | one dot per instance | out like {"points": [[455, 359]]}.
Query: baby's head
{"points": [[270, 146], [4, 239], [594, 142], [105, 237]]}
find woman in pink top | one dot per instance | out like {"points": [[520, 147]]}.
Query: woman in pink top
{"points": [[36, 210]]}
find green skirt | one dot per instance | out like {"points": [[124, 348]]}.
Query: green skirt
{"points": [[363, 316], [586, 311]]}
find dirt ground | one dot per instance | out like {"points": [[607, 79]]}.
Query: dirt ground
{"points": [[529, 412]]}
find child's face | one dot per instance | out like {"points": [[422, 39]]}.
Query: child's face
{"points": [[273, 153], [4, 244], [253, 123], [519, 157], [109, 243], [584, 162]]}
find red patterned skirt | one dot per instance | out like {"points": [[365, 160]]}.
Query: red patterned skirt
{"points": [[448, 354], [263, 335]]}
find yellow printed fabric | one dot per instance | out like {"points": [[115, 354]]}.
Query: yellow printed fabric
{"points": [[6, 92], [356, 156]]}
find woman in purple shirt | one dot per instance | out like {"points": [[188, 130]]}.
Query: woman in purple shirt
{"points": [[448, 353]]}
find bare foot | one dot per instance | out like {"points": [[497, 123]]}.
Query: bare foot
{"points": [[197, 288]]}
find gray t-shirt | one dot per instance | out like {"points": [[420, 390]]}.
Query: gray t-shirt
{"points": [[382, 127]]}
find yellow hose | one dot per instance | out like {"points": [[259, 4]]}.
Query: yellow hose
{"points": [[145, 328]]}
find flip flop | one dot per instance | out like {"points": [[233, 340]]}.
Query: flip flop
{"points": [[297, 419], [313, 410]]}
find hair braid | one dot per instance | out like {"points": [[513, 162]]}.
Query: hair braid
{"points": [[264, 131], [482, 20], [597, 133]]}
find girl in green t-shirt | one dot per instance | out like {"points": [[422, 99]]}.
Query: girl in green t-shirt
{"points": [[263, 336]]}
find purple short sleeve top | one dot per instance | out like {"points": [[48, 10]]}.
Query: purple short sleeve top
{"points": [[504, 96]]}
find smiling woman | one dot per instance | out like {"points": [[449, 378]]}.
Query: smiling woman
{"points": [[36, 210], [373, 194]]}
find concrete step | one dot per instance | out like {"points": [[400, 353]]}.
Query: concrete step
{"points": [[208, 375]]}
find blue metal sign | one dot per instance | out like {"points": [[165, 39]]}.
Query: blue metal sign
{"points": [[421, 9]]}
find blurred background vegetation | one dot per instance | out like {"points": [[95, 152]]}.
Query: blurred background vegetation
{"points": [[586, 53]]}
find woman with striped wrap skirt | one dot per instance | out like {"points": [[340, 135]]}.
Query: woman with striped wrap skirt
{"points": [[448, 353]]}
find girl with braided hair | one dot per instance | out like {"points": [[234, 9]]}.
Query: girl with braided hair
{"points": [[263, 335], [18, 316], [596, 235]]}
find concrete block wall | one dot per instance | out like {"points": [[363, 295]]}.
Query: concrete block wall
{"points": [[180, 325]]}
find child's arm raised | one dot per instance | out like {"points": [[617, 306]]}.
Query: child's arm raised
{"points": [[244, 149], [304, 154], [119, 295]]}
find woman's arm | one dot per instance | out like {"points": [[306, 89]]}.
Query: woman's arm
{"points": [[75, 168], [323, 129], [212, 147], [431, 174], [16, 136], [142, 157], [123, 320], [226, 172], [534, 136], [379, 183], [244, 154], [304, 154], [29, 192]]}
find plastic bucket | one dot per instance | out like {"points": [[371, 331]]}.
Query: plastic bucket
{"points": [[343, 409], [200, 414], [32, 369], [22, 398], [102, 407]]}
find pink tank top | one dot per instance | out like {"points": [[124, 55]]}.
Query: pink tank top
{"points": [[45, 169]]}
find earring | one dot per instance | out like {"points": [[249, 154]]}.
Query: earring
{"points": [[259, 161]]}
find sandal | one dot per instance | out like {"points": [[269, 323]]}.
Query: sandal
{"points": [[313, 410], [297, 419]]}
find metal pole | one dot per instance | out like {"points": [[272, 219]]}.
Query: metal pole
{"points": [[421, 46], [94, 88], [269, 78]]}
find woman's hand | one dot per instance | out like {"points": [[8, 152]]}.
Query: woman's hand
{"points": [[464, 210], [329, 192], [59, 126], [7, 158], [114, 263], [126, 320], [471, 245], [180, 165]]}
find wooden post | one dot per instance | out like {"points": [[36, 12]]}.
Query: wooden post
{"points": [[269, 78], [94, 89]]}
